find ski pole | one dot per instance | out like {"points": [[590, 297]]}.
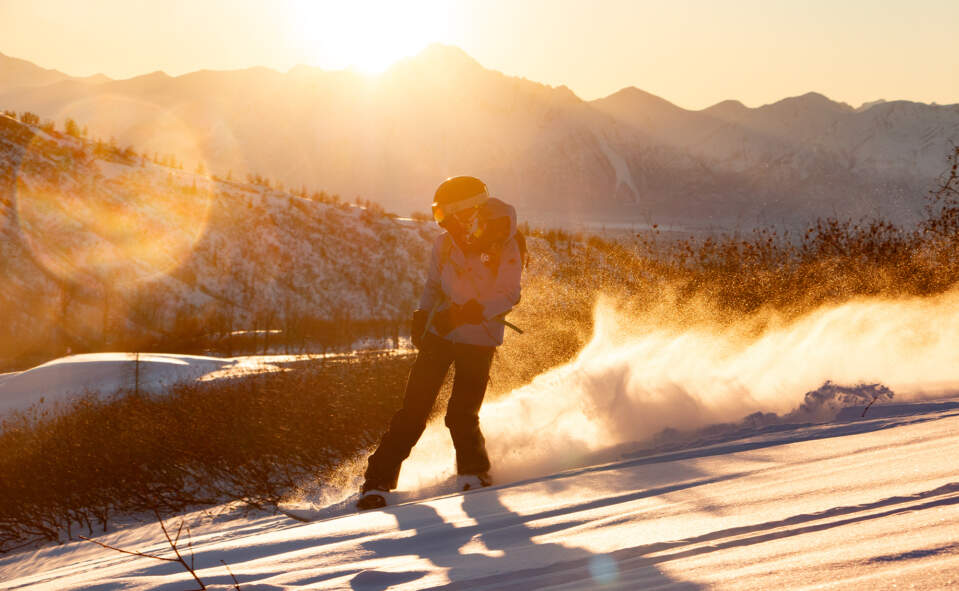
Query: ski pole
{"points": [[507, 323]]}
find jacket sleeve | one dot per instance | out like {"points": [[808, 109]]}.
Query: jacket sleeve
{"points": [[506, 292], [432, 291]]}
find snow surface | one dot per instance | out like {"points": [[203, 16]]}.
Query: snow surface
{"points": [[108, 373], [861, 503], [619, 164]]}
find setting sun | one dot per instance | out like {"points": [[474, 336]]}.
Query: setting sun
{"points": [[367, 36]]}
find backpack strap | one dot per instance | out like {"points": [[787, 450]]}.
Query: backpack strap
{"points": [[446, 250], [523, 251]]}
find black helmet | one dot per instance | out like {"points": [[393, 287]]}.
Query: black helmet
{"points": [[456, 194]]}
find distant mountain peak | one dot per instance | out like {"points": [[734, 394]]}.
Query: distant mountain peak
{"points": [[566, 91], [728, 106], [640, 94], [15, 71], [729, 110], [637, 98], [812, 100], [870, 104], [19, 72]]}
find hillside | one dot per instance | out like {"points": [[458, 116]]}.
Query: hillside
{"points": [[104, 246], [630, 157]]}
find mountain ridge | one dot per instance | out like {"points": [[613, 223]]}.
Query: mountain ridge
{"points": [[15, 72], [629, 156]]}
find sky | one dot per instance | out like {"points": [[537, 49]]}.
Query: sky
{"points": [[693, 53]]}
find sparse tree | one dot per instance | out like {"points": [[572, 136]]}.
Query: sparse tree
{"points": [[71, 127], [29, 118]]}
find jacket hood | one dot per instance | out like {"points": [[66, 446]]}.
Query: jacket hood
{"points": [[500, 218]]}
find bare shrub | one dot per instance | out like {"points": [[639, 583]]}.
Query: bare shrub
{"points": [[250, 439], [743, 280]]}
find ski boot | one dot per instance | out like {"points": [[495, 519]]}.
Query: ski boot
{"points": [[466, 482], [373, 498]]}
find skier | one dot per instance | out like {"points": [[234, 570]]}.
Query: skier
{"points": [[473, 282]]}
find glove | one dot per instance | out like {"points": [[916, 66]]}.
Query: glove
{"points": [[445, 321], [419, 327], [469, 313]]}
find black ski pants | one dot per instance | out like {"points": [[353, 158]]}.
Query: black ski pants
{"points": [[471, 366]]}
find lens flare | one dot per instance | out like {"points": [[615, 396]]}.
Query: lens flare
{"points": [[96, 213], [603, 569]]}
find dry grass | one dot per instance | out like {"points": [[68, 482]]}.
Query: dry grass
{"points": [[251, 439], [747, 281]]}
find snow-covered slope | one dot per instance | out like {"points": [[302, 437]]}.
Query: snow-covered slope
{"points": [[652, 460], [97, 240], [861, 503], [109, 373]]}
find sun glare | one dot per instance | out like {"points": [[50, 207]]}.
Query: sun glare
{"points": [[367, 36]]}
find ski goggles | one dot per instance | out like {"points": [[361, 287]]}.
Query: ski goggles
{"points": [[443, 211]]}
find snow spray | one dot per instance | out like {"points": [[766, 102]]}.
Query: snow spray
{"points": [[628, 384]]}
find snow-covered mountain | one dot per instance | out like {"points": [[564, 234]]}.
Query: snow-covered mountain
{"points": [[876, 160], [630, 156]]}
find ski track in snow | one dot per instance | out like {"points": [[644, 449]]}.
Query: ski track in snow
{"points": [[858, 503]]}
